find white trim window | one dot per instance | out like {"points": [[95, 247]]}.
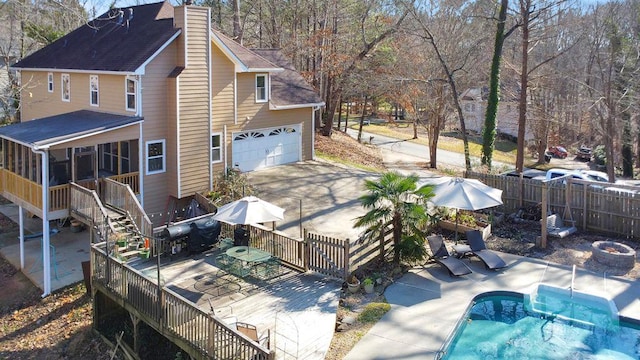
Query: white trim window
{"points": [[216, 147], [262, 86], [66, 87], [131, 88], [156, 156], [93, 90], [50, 82]]}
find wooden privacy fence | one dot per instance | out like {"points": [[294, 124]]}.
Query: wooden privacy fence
{"points": [[200, 334], [323, 254], [594, 206]]}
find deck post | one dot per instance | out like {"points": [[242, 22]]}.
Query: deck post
{"points": [[21, 221]]}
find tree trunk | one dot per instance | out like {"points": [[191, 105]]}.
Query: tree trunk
{"points": [[489, 132], [237, 30], [364, 110], [397, 237], [524, 80], [339, 112], [627, 146], [346, 119]]}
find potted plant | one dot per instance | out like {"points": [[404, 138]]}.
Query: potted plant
{"points": [[120, 240], [144, 253], [353, 284], [368, 285]]}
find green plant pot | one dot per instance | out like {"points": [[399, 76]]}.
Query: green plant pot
{"points": [[121, 243], [144, 254]]}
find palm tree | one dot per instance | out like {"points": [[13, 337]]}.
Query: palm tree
{"points": [[394, 200]]}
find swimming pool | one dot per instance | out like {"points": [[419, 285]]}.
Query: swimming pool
{"points": [[503, 325]]}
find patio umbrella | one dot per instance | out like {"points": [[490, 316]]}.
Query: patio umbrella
{"points": [[249, 210], [465, 194]]}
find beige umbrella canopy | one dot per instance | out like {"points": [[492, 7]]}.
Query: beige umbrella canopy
{"points": [[464, 194], [249, 210]]}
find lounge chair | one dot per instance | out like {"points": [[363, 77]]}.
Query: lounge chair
{"points": [[441, 255], [478, 248]]}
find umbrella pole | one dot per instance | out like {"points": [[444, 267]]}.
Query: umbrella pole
{"points": [[456, 238]]}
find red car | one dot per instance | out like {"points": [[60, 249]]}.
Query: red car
{"points": [[558, 151]]}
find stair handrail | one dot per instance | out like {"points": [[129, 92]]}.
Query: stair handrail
{"points": [[89, 206], [121, 196]]}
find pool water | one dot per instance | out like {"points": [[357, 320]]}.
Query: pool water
{"points": [[502, 327]]}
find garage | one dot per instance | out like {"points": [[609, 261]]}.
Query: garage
{"points": [[258, 149]]}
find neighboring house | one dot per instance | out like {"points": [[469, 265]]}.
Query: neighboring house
{"points": [[474, 107], [150, 96]]}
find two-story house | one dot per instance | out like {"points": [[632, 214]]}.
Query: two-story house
{"points": [[149, 96], [474, 106]]}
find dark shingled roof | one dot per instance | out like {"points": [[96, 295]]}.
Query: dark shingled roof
{"points": [[105, 45], [59, 128], [288, 87], [248, 57]]}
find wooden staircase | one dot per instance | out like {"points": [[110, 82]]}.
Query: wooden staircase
{"points": [[116, 217], [124, 229]]}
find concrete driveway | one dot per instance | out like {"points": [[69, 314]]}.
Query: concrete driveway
{"points": [[318, 196]]}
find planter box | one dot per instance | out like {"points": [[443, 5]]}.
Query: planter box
{"points": [[485, 229]]}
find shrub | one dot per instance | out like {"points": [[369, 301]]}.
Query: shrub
{"points": [[599, 155]]}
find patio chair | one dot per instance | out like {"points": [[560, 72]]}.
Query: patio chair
{"points": [[252, 333], [478, 248], [441, 255]]}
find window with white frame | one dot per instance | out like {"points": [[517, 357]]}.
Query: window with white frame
{"points": [[93, 90], [156, 156], [261, 88], [131, 87], [50, 82], [216, 147], [66, 87]]}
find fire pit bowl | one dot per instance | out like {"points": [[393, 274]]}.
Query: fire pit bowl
{"points": [[613, 254]]}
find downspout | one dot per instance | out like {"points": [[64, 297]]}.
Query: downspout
{"points": [[21, 221], [235, 98], [140, 143], [46, 238], [209, 86], [225, 154]]}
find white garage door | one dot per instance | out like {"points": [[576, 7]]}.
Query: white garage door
{"points": [[257, 149]]}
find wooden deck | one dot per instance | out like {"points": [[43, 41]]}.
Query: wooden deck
{"points": [[299, 310]]}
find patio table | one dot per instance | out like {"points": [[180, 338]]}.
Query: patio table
{"points": [[245, 258], [248, 254]]}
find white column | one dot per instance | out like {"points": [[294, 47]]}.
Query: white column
{"points": [[21, 223], [46, 253]]}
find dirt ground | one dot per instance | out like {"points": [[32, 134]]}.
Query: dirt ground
{"points": [[59, 326]]}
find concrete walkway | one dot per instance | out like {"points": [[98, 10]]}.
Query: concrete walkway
{"points": [[426, 303]]}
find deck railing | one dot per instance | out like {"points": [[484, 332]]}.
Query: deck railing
{"points": [[121, 196], [31, 192], [86, 205], [132, 179], [202, 335], [23, 188]]}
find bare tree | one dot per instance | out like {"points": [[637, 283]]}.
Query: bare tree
{"points": [[453, 43]]}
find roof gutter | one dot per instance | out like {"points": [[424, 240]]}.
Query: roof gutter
{"points": [[315, 106]]}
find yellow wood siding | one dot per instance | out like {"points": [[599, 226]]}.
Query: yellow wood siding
{"points": [[37, 102], [193, 104], [222, 86], [155, 97], [172, 130]]}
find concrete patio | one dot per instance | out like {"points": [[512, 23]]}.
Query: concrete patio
{"points": [[68, 250], [426, 303]]}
